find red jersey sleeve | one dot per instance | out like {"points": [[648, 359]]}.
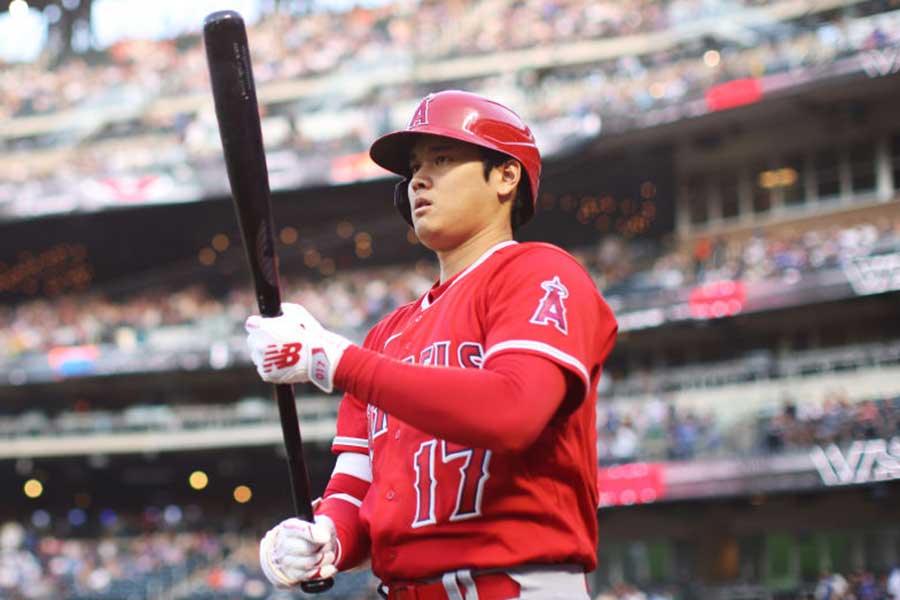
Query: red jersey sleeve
{"points": [[543, 302], [352, 430]]}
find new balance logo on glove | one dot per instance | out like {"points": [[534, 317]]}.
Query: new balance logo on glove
{"points": [[281, 356]]}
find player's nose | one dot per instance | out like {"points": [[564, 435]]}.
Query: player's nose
{"points": [[419, 182]]}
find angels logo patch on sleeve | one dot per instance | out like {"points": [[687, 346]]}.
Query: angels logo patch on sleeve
{"points": [[551, 309]]}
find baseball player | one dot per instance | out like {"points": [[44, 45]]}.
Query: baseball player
{"points": [[466, 442]]}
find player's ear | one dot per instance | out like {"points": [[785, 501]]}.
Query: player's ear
{"points": [[509, 174]]}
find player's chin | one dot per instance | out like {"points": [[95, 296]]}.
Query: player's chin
{"points": [[428, 232], [437, 240], [436, 234]]}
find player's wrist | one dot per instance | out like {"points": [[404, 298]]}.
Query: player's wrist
{"points": [[343, 372]]}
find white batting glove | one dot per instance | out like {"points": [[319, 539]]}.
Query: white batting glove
{"points": [[294, 348], [295, 551]]}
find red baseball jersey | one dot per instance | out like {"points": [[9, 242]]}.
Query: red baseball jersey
{"points": [[436, 506]]}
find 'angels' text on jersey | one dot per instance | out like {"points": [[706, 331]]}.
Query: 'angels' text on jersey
{"points": [[468, 355]]}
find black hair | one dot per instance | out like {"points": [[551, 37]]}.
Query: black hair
{"points": [[494, 158]]}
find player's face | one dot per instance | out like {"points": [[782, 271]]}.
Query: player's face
{"points": [[450, 200]]}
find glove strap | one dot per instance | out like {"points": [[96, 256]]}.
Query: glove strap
{"points": [[324, 359]]}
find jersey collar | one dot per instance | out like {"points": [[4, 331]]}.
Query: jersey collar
{"points": [[425, 303]]}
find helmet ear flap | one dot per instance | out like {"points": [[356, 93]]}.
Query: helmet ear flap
{"points": [[401, 200]]}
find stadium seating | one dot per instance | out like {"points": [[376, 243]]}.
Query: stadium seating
{"points": [[88, 134]]}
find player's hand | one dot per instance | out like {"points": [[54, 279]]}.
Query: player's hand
{"points": [[295, 551], [294, 348]]}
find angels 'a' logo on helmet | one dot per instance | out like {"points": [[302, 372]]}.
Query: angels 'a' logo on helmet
{"points": [[420, 117], [551, 309]]}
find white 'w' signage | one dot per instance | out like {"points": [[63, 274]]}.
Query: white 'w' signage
{"points": [[863, 462], [874, 274]]}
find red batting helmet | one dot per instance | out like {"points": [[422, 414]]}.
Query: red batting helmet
{"points": [[469, 118]]}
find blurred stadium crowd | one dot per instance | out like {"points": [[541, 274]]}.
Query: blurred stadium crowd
{"points": [[651, 430], [657, 430], [154, 560], [184, 563], [350, 76], [290, 46], [352, 301]]}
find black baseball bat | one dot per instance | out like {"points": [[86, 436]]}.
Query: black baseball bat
{"points": [[237, 111]]}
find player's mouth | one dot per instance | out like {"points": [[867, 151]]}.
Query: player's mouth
{"points": [[421, 205]]}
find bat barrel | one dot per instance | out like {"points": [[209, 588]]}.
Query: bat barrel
{"points": [[237, 112]]}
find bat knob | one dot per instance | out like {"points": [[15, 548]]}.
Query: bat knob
{"points": [[317, 586]]}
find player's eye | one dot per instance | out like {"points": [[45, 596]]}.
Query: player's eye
{"points": [[413, 167], [441, 159]]}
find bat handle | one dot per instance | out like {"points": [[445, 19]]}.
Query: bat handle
{"points": [[317, 586], [299, 474]]}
